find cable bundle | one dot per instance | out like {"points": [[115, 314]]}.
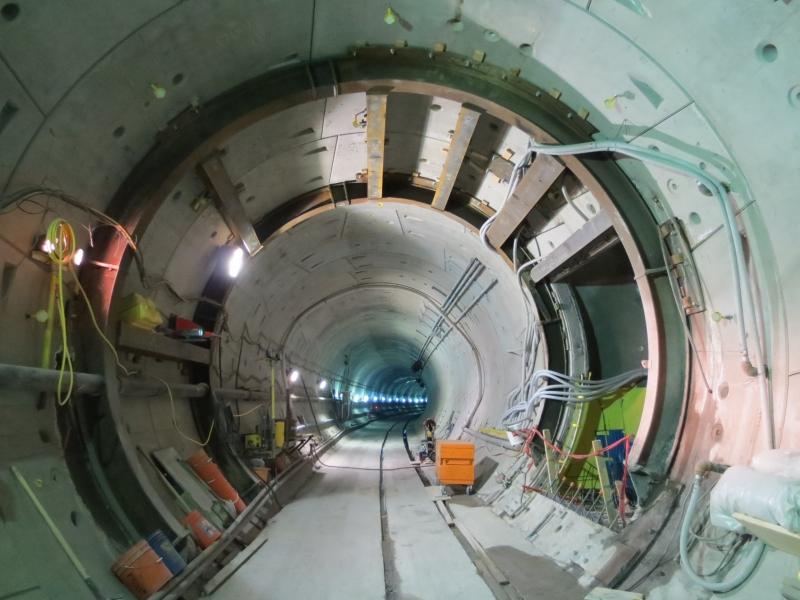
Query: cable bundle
{"points": [[563, 388], [61, 248], [530, 344]]}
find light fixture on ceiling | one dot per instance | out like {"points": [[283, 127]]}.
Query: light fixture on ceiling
{"points": [[294, 376], [78, 258], [323, 383], [235, 262]]}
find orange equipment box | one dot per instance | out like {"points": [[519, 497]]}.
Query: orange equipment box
{"points": [[455, 462]]}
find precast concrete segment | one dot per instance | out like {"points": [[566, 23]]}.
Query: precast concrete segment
{"points": [[326, 543], [429, 561]]}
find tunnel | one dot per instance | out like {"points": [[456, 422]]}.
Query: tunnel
{"points": [[406, 300]]}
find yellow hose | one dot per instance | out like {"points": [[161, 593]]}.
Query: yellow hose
{"points": [[61, 250]]}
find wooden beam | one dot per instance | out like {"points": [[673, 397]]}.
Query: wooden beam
{"points": [[578, 242], [144, 342], [529, 191], [465, 126], [229, 205], [376, 138]]}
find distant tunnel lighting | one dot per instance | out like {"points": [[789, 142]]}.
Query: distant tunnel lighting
{"points": [[294, 376], [78, 258], [235, 262], [323, 384]]}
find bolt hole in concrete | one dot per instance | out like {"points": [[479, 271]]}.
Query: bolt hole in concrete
{"points": [[768, 52], [74, 517], [723, 389], [10, 11], [177, 195], [436, 107], [119, 132], [44, 435], [491, 35], [694, 218], [794, 96], [177, 79], [526, 49], [704, 189]]}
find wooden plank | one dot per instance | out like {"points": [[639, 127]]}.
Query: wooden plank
{"points": [[638, 539], [600, 593], [376, 138], [228, 570], [144, 342], [462, 134], [605, 482], [770, 533], [443, 510], [529, 191], [578, 242], [229, 205], [552, 463]]}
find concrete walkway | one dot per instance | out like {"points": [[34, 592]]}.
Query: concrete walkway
{"points": [[327, 543]]}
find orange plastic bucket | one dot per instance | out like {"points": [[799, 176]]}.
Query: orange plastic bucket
{"points": [[141, 570], [205, 533], [209, 472]]}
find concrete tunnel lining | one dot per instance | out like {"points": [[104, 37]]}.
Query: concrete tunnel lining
{"points": [[378, 269], [626, 70]]}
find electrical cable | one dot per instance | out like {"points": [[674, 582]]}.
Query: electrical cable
{"points": [[96, 325], [175, 420], [244, 414], [737, 257], [27, 194], [60, 248], [572, 390], [748, 564]]}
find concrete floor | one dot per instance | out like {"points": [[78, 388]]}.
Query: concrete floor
{"points": [[327, 542]]}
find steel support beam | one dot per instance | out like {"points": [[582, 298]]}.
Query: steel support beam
{"points": [[529, 191], [376, 138], [465, 126], [578, 242], [229, 205]]}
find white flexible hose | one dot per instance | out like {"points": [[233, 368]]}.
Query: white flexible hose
{"points": [[746, 568]]}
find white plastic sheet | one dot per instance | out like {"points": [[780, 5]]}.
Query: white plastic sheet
{"points": [[785, 463], [761, 495]]}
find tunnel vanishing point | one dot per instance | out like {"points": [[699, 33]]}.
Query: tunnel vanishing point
{"points": [[408, 300]]}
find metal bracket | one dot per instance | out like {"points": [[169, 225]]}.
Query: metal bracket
{"points": [[681, 267]]}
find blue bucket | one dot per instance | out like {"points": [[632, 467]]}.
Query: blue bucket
{"points": [[164, 548]]}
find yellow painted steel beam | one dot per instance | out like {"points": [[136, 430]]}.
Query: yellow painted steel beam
{"points": [[462, 134], [376, 139]]}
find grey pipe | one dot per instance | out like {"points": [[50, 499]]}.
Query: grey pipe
{"points": [[747, 565], [35, 379]]}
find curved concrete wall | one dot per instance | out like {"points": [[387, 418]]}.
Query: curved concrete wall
{"points": [[712, 82]]}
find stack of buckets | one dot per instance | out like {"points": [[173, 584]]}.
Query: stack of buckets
{"points": [[148, 565]]}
